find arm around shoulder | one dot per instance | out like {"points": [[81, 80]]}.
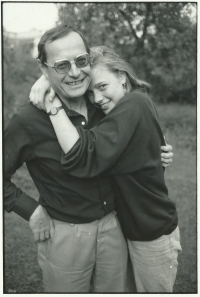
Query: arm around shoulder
{"points": [[99, 148]]}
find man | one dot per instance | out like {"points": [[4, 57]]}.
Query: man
{"points": [[78, 234]]}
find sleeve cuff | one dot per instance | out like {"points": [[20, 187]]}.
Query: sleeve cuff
{"points": [[25, 207]]}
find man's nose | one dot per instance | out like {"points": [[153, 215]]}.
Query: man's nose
{"points": [[74, 71]]}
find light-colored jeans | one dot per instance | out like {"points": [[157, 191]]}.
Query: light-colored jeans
{"points": [[85, 254], [155, 262]]}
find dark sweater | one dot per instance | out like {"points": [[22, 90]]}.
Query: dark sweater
{"points": [[126, 144]]}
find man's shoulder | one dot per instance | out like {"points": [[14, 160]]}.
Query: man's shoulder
{"points": [[27, 111], [30, 120]]}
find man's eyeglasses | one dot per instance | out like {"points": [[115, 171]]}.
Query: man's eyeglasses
{"points": [[64, 66]]}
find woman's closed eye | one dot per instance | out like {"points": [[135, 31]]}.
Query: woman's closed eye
{"points": [[90, 94], [102, 87]]}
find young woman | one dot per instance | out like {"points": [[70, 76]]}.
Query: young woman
{"points": [[126, 144]]}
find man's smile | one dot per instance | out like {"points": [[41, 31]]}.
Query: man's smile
{"points": [[74, 83]]}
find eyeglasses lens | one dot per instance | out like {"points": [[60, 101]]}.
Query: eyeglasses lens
{"points": [[82, 61], [65, 66]]}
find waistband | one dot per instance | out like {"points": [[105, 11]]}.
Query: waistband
{"points": [[96, 222]]}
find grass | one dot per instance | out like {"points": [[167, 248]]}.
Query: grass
{"points": [[179, 125], [21, 271]]}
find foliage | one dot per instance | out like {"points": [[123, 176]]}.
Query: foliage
{"points": [[20, 71], [158, 39]]}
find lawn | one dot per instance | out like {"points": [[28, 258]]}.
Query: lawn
{"points": [[21, 271]]}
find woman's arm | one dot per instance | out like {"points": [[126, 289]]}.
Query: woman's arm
{"points": [[39, 91], [44, 97], [65, 131], [41, 88], [99, 148]]}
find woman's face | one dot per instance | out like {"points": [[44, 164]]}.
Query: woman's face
{"points": [[106, 88]]}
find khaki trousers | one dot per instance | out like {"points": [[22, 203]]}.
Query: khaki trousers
{"points": [[85, 257], [155, 263]]}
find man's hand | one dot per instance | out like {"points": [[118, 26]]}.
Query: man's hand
{"points": [[41, 224], [166, 155]]}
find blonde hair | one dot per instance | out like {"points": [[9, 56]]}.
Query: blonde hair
{"points": [[102, 55]]}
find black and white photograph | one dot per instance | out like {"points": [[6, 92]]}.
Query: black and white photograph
{"points": [[99, 139]]}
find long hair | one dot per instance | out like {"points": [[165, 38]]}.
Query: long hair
{"points": [[102, 55]]}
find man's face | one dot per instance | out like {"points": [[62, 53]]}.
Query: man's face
{"points": [[73, 84]]}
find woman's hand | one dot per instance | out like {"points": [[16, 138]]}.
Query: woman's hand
{"points": [[166, 155], [39, 91], [49, 104]]}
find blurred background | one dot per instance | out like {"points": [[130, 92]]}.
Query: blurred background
{"points": [[159, 39]]}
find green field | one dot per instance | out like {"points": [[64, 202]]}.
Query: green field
{"points": [[21, 271]]}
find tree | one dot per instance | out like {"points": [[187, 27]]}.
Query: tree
{"points": [[158, 39], [20, 71]]}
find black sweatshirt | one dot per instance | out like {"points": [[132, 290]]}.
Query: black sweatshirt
{"points": [[126, 145]]}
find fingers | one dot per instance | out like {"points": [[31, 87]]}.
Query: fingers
{"points": [[41, 236], [36, 237], [166, 161], [40, 105], [48, 233], [37, 97], [34, 99], [168, 155], [165, 165], [31, 95], [52, 231], [51, 95], [167, 148]]}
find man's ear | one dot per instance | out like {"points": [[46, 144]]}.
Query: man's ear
{"points": [[43, 68], [122, 76]]}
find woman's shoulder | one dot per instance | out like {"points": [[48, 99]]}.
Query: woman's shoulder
{"points": [[137, 98], [140, 102]]}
